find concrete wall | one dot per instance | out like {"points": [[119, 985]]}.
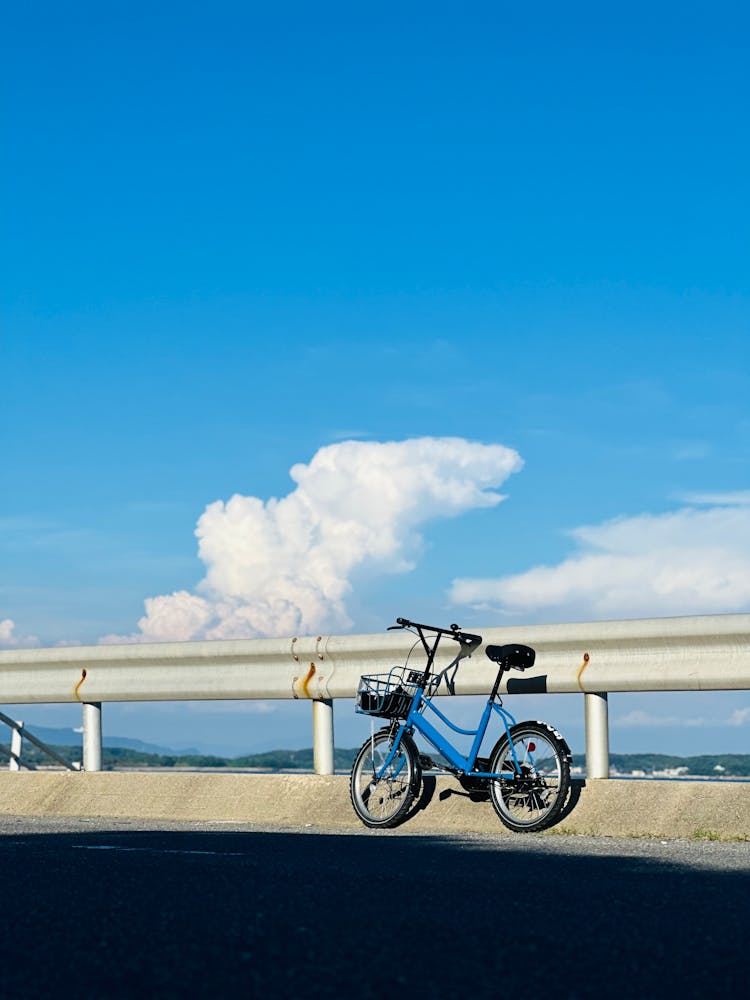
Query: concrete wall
{"points": [[628, 808]]}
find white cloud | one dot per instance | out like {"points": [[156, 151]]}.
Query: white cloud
{"points": [[284, 566], [740, 717], [232, 707], [170, 617], [642, 719], [689, 561], [737, 498], [9, 639], [639, 718]]}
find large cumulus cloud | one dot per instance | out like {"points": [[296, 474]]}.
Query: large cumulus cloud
{"points": [[284, 566]]}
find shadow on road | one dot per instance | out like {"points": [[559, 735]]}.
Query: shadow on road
{"points": [[363, 915]]}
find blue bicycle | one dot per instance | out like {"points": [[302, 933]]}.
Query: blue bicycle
{"points": [[527, 773]]}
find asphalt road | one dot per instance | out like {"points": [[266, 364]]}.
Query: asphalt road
{"points": [[169, 910]]}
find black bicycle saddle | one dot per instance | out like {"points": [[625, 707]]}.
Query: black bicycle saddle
{"points": [[512, 655]]}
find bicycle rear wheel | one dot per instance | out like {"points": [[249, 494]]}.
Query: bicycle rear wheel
{"points": [[384, 801], [534, 765]]}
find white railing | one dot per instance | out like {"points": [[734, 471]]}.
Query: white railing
{"points": [[661, 654], [18, 733]]}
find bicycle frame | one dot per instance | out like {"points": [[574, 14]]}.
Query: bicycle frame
{"points": [[415, 720]]}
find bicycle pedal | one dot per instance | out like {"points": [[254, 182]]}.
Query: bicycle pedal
{"points": [[426, 763]]}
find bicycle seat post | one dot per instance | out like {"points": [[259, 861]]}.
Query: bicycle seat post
{"points": [[501, 670]]}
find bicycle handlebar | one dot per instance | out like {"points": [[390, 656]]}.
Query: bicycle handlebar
{"points": [[453, 632]]}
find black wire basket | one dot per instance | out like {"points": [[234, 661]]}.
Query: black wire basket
{"points": [[389, 696]]}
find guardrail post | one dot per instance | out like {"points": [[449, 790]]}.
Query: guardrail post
{"points": [[92, 736], [323, 736], [16, 746], [597, 735]]}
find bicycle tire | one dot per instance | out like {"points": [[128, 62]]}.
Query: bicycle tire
{"points": [[384, 803], [533, 799]]}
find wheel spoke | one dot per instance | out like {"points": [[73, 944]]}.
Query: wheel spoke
{"points": [[535, 766], [382, 792]]}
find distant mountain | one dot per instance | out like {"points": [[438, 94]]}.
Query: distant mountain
{"points": [[73, 738], [123, 751]]}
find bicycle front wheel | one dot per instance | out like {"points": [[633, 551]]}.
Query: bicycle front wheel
{"points": [[383, 799], [534, 769]]}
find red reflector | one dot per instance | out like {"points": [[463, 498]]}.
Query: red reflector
{"points": [[532, 747]]}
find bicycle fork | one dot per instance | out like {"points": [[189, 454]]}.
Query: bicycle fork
{"points": [[377, 773]]}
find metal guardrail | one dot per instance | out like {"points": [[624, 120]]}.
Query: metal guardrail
{"points": [[698, 653]]}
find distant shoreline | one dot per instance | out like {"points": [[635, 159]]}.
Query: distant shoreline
{"points": [[154, 769], [632, 766]]}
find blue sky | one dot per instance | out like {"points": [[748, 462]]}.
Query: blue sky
{"points": [[236, 238]]}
